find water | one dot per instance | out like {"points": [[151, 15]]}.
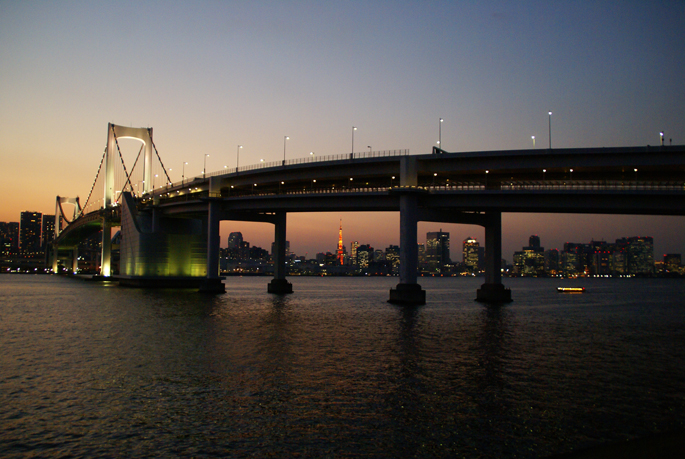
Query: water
{"points": [[333, 370]]}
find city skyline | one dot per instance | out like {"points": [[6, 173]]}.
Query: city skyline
{"points": [[246, 75]]}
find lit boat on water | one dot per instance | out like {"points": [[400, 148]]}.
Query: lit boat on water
{"points": [[571, 289]]}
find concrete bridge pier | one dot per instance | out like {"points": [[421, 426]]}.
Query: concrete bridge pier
{"points": [[408, 291], [106, 252], [279, 284], [213, 283], [492, 291]]}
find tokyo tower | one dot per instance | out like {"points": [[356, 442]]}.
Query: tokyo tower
{"points": [[340, 244]]}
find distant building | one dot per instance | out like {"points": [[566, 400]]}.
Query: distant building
{"points": [[530, 261], [354, 246], [364, 256], [437, 250], [641, 256], [392, 255], [470, 254], [672, 262], [235, 240], [29, 231], [552, 258], [48, 231], [9, 237]]}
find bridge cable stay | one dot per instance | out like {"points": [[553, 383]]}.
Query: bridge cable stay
{"points": [[85, 206], [128, 179], [168, 179]]}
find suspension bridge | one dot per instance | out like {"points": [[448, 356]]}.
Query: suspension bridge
{"points": [[170, 230]]}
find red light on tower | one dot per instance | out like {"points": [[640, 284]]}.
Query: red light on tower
{"points": [[340, 244]]}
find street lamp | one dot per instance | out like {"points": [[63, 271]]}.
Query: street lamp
{"points": [[183, 175], [237, 159], [352, 154], [550, 129], [661, 135], [440, 134], [204, 168], [533, 137], [284, 139], [369, 147]]}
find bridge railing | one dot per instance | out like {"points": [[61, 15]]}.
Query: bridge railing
{"points": [[309, 159]]}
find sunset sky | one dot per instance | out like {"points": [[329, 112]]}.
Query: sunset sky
{"points": [[208, 76]]}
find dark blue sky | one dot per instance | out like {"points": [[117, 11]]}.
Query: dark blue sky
{"points": [[208, 76]]}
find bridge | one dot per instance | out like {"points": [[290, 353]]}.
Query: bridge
{"points": [[170, 233]]}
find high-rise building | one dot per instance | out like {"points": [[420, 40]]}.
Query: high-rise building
{"points": [[354, 245], [235, 240], [48, 230], [9, 237], [364, 255], [470, 254], [29, 231], [641, 256], [392, 254], [534, 241], [437, 250], [552, 259]]}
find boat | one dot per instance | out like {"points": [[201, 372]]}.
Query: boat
{"points": [[571, 289]]}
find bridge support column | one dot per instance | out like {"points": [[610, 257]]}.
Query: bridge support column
{"points": [[408, 291], [492, 291], [279, 284], [213, 283], [106, 254]]}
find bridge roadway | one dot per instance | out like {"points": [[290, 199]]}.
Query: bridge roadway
{"points": [[473, 188]]}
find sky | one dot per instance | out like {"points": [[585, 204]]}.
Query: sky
{"points": [[210, 75]]}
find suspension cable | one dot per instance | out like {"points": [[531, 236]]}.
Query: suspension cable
{"points": [[128, 179], [62, 214], [94, 181], [168, 179]]}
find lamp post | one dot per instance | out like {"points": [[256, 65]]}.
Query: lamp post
{"points": [[550, 129], [352, 154], [183, 174], [369, 147], [237, 159], [440, 134], [284, 140], [533, 137], [661, 136], [204, 168]]}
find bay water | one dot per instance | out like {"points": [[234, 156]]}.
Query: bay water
{"points": [[93, 369]]}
